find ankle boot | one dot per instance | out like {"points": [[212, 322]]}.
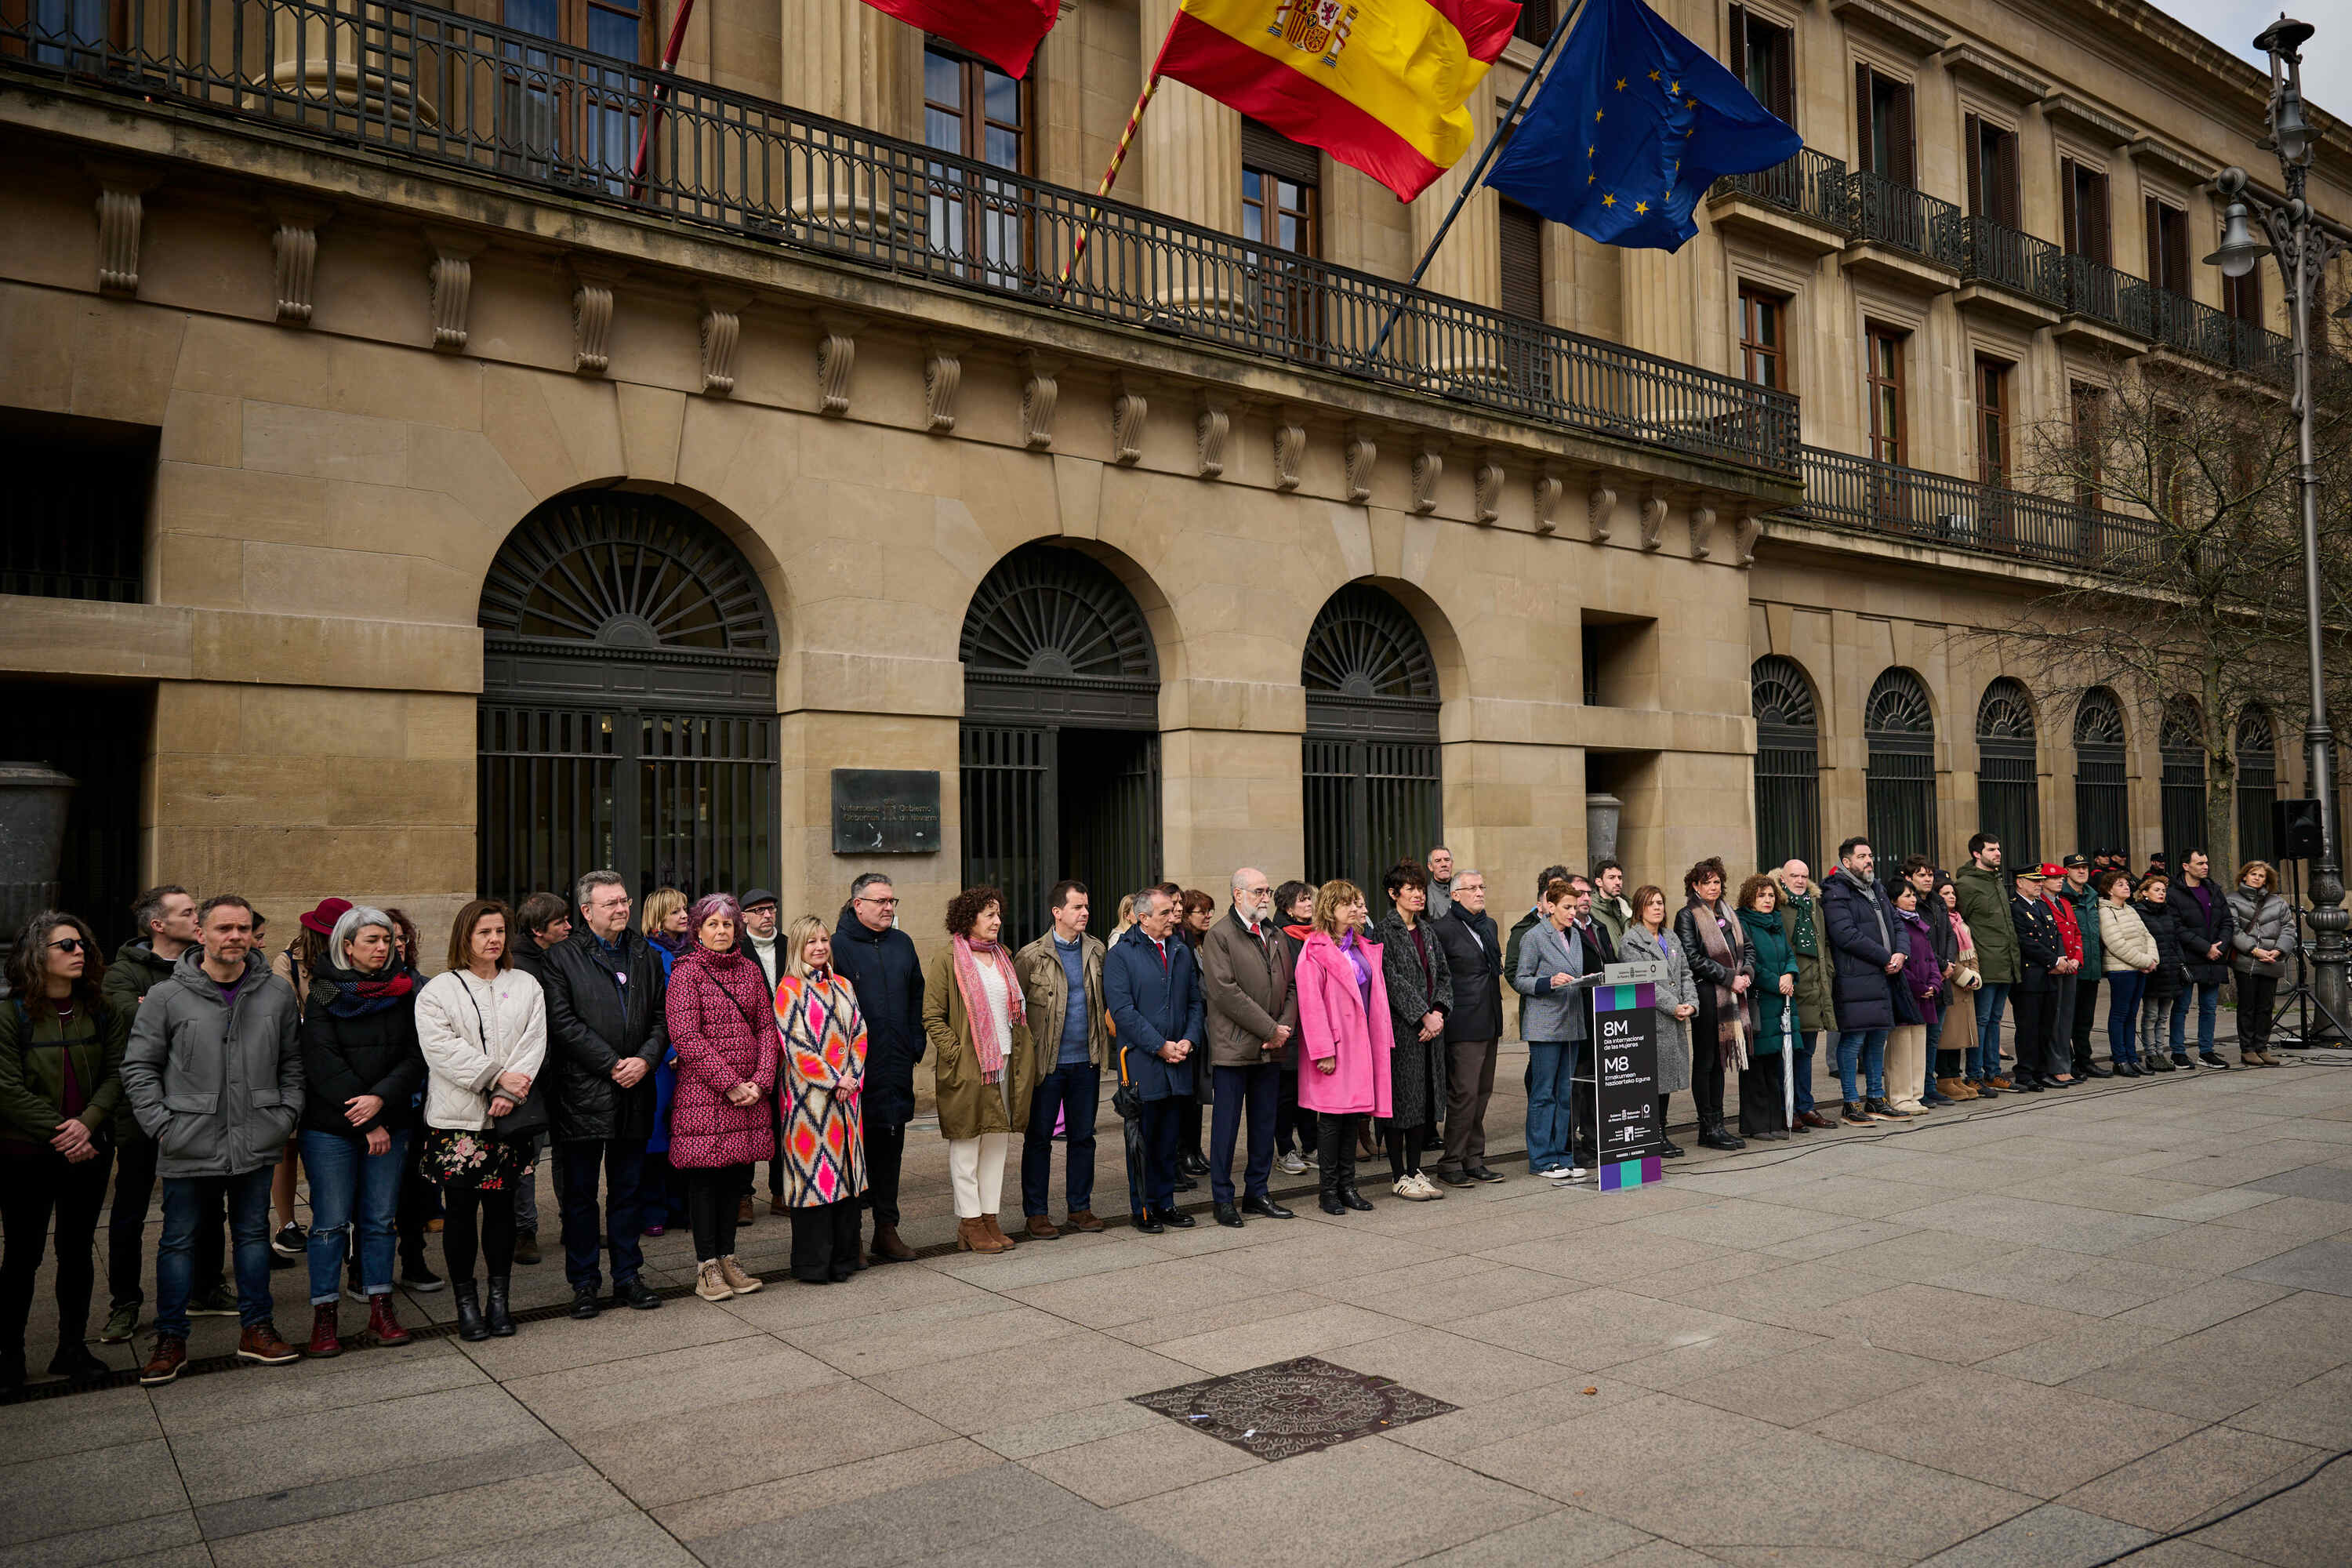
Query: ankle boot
{"points": [[1712, 1134], [1326, 1165], [1348, 1193], [495, 1315], [471, 1326], [384, 1324], [326, 1336]]}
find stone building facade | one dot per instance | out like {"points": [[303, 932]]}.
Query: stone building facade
{"points": [[464, 458]]}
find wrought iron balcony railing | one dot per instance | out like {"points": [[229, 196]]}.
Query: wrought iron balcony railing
{"points": [[428, 84], [1901, 218], [1859, 493], [2098, 291], [1995, 253], [1811, 184]]}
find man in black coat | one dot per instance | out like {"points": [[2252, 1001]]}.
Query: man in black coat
{"points": [[1867, 957], [2033, 999], [605, 1031], [2203, 907], [1600, 951], [879, 960], [1474, 1029]]}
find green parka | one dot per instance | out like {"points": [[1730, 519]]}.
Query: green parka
{"points": [[37, 1054], [1801, 919], [1984, 904]]}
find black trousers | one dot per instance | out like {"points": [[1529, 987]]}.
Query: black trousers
{"points": [[1761, 1104], [2257, 1010], [2041, 1049], [824, 1241], [1335, 1150], [2086, 1003], [475, 1221], [885, 1148], [420, 1200], [36, 1181], [1706, 1079], [713, 1195], [126, 1229]]}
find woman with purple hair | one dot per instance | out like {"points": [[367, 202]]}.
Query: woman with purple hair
{"points": [[722, 1029]]}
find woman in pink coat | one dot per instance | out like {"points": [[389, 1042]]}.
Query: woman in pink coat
{"points": [[1343, 1065], [722, 1029]]}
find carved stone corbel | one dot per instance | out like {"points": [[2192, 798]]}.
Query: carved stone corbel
{"points": [[1601, 510], [1548, 493], [1702, 527], [452, 277], [1212, 423], [1487, 487], [942, 375], [722, 329], [1428, 467], [1040, 390], [122, 209], [1654, 520], [1289, 447], [592, 315], [836, 356], [1750, 530], [294, 246], [1130, 408], [1363, 454]]}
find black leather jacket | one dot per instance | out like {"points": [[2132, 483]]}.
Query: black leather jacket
{"points": [[592, 1021]]}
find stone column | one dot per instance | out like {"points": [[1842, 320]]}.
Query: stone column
{"points": [[848, 61], [1189, 151]]}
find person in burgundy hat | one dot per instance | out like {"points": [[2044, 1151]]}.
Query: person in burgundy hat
{"points": [[295, 966]]}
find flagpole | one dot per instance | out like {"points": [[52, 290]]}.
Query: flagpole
{"points": [[1477, 172], [661, 86], [1118, 157]]}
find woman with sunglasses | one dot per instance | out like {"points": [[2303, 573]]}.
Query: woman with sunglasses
{"points": [[60, 1080]]}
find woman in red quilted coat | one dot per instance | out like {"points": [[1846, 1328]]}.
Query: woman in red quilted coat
{"points": [[722, 1029]]}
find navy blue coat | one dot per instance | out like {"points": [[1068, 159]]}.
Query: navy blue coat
{"points": [[1860, 986], [888, 976], [1150, 1005]]}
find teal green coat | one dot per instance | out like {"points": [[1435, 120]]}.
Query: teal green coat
{"points": [[1774, 958]]}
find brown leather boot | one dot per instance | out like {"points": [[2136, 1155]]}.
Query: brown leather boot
{"points": [[261, 1343], [972, 1235], [1084, 1220], [995, 1229], [384, 1323], [886, 1245], [1040, 1228], [326, 1334], [171, 1356]]}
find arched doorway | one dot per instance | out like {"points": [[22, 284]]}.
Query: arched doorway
{"points": [[628, 712], [2008, 802], [1898, 730], [1787, 762], [2180, 744], [1371, 760], [1060, 750], [2257, 789], [2102, 788]]}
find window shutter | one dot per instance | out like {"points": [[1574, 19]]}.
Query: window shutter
{"points": [[2100, 222], [1264, 147], [1522, 258], [2071, 235], [1735, 53], [1861, 118], [1535, 21], [1784, 74], [2175, 252], [1898, 137], [2155, 241], [1972, 135], [2005, 202]]}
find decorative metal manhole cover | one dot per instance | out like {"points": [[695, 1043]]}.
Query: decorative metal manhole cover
{"points": [[1299, 1406]]}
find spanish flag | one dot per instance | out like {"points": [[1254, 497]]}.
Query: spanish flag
{"points": [[1005, 31], [1378, 84]]}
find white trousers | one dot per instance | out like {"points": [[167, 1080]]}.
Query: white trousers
{"points": [[1906, 1065], [976, 1166]]}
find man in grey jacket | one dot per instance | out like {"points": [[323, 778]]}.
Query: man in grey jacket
{"points": [[213, 1073]]}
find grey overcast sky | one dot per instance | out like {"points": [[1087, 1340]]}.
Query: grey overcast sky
{"points": [[2326, 59]]}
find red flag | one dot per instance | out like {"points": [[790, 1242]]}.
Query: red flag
{"points": [[1005, 31]]}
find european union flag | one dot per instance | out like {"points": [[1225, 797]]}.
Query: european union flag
{"points": [[1633, 125]]}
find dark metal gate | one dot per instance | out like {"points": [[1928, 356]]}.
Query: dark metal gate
{"points": [[2007, 783], [1059, 755], [2180, 744], [1898, 730], [1787, 762], [628, 716], [98, 736], [1372, 769], [2102, 786], [2257, 787]]}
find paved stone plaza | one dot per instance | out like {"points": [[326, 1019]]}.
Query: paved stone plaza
{"points": [[2040, 1332]]}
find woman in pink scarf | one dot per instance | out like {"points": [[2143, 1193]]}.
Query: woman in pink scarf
{"points": [[1960, 1036], [981, 1054]]}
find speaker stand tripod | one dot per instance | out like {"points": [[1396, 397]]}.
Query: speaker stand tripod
{"points": [[2302, 1000]]}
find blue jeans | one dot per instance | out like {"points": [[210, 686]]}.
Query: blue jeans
{"points": [[1935, 1034], [1985, 1062], [1072, 1092], [1868, 1047], [2208, 1001], [1242, 1092], [1804, 1072], [622, 1162], [2125, 988], [247, 1197], [1552, 1078], [351, 1187]]}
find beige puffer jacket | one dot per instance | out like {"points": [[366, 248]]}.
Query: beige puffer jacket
{"points": [[2125, 938]]}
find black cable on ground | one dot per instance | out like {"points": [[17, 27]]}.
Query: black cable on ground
{"points": [[2189, 1529]]}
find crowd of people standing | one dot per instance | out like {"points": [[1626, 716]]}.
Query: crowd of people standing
{"points": [[658, 1060]]}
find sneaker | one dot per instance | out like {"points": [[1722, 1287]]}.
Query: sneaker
{"points": [[1563, 1173], [419, 1277], [220, 1301], [1406, 1190], [1856, 1116], [710, 1282], [1428, 1188], [291, 1240], [120, 1324], [169, 1356], [261, 1343], [1291, 1163], [742, 1284]]}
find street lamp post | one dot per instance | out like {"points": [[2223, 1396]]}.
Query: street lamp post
{"points": [[2302, 250]]}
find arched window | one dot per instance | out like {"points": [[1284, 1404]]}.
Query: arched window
{"points": [[1060, 745], [1899, 778], [2257, 787], [1787, 762], [2180, 741], [1371, 762], [628, 711], [2102, 791], [2008, 791]]}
